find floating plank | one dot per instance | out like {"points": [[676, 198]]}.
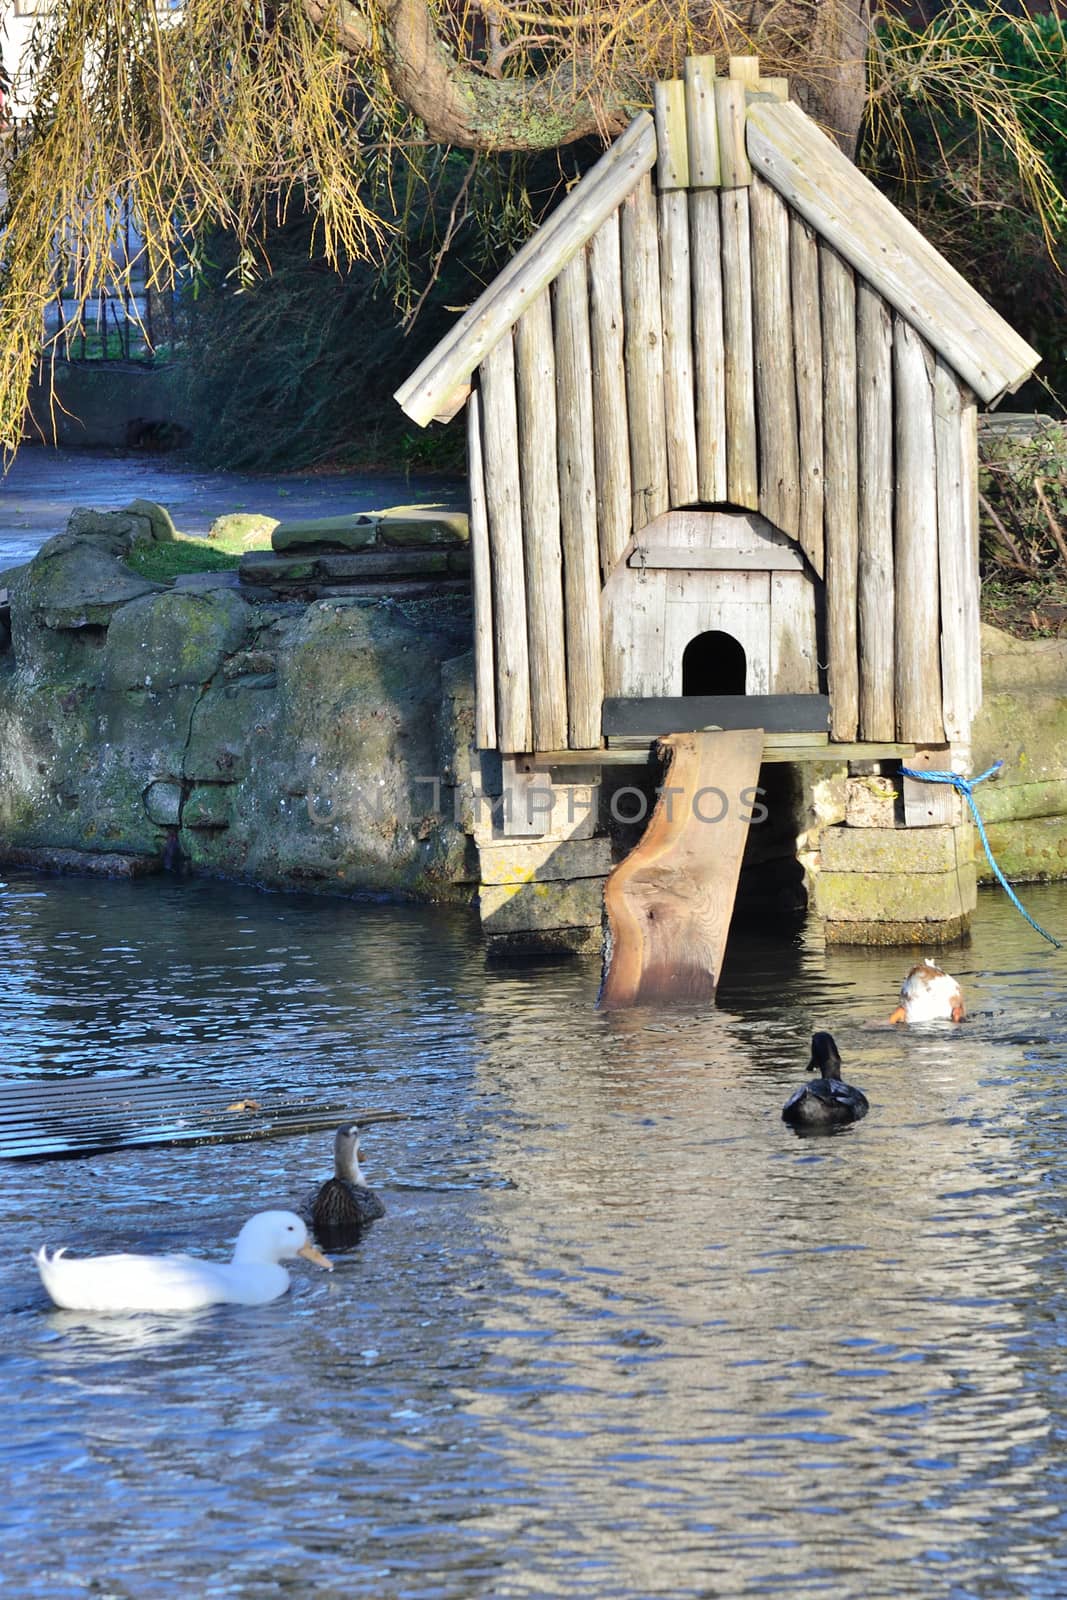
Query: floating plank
{"points": [[777, 713], [577, 505], [840, 502], [876, 595], [535, 385], [807, 356], [776, 399], [672, 162], [431, 390], [643, 347], [482, 575], [54, 1117], [917, 653], [670, 902], [709, 351], [845, 208], [742, 485], [500, 460], [611, 442], [702, 124], [676, 291], [958, 647]]}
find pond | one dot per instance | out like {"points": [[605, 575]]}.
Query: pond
{"points": [[621, 1333]]}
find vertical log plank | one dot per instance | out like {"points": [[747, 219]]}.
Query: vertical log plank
{"points": [[672, 160], [709, 352], [874, 342], [678, 395], [535, 383], [577, 504], [954, 558], [643, 350], [776, 401], [807, 353], [482, 578], [841, 512], [969, 500], [701, 121], [741, 481], [734, 169], [500, 460], [611, 444], [917, 664]]}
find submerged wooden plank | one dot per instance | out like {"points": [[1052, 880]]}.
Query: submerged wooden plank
{"points": [[535, 384], [670, 902]]}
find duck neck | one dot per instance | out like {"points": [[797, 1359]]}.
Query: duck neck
{"points": [[348, 1167]]}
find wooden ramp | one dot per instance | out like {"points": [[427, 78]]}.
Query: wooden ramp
{"points": [[669, 903]]}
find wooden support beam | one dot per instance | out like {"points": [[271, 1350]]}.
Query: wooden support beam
{"points": [[670, 902]]}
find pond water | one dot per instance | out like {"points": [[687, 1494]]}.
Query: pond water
{"points": [[42, 487], [621, 1333]]}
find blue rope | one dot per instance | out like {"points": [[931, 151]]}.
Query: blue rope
{"points": [[966, 787]]}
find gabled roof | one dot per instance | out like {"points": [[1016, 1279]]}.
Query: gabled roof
{"points": [[809, 172], [812, 175]]}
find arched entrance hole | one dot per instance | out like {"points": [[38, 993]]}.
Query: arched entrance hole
{"points": [[713, 663]]}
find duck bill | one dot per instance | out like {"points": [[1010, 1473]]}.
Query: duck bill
{"points": [[310, 1253]]}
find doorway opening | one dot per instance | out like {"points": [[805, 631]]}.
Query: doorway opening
{"points": [[713, 663]]}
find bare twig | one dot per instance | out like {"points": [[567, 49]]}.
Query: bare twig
{"points": [[1006, 538]]}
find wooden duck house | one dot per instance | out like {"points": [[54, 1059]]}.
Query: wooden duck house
{"points": [[722, 414]]}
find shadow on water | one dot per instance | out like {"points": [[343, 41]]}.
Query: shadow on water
{"points": [[620, 1333]]}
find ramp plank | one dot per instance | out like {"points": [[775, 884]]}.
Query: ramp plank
{"points": [[669, 903]]}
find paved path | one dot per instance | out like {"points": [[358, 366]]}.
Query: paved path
{"points": [[43, 486]]}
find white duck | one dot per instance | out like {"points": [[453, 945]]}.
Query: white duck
{"points": [[929, 994], [126, 1283]]}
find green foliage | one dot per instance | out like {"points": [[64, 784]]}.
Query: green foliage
{"points": [[967, 132], [163, 561], [1024, 501]]}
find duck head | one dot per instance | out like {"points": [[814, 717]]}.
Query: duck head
{"points": [[274, 1236], [824, 1056]]}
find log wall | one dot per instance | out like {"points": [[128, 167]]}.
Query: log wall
{"points": [[710, 345]]}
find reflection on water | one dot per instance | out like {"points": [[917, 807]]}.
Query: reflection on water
{"points": [[621, 1333]]}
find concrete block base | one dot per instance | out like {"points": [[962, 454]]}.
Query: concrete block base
{"points": [[884, 886]]}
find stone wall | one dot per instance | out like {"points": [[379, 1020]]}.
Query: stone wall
{"points": [[283, 743]]}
